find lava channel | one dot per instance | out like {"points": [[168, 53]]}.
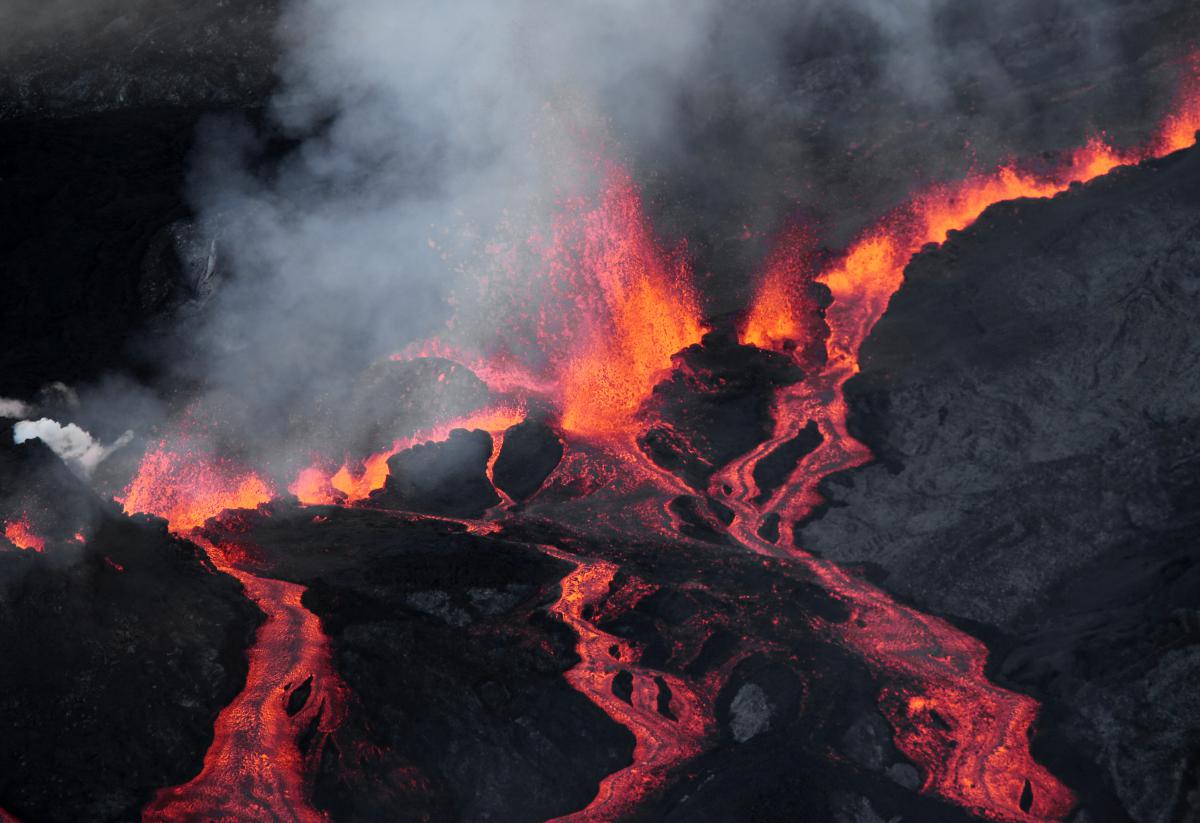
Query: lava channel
{"points": [[969, 736], [254, 769]]}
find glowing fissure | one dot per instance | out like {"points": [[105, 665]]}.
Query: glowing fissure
{"points": [[970, 737], [254, 769]]}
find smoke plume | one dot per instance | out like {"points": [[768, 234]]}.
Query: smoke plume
{"points": [[76, 447]]}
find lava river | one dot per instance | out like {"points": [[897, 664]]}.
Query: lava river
{"points": [[970, 737], [254, 769], [625, 308]]}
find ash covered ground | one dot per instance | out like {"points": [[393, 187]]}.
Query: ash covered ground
{"points": [[537, 603]]}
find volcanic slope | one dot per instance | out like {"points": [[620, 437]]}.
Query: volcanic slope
{"points": [[1032, 399]]}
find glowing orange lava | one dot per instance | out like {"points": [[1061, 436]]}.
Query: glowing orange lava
{"points": [[22, 535], [354, 482], [648, 310], [784, 313], [254, 769], [187, 488], [970, 737], [661, 743]]}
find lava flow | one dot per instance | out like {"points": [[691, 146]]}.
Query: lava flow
{"points": [[970, 737], [661, 741], [254, 769]]}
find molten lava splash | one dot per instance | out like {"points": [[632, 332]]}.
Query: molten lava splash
{"points": [[354, 482], [254, 769], [643, 310], [22, 535], [970, 737], [785, 313], [187, 488]]}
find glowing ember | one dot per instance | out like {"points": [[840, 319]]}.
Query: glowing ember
{"points": [[22, 535]]}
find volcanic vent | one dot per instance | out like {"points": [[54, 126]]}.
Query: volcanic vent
{"points": [[565, 527]]}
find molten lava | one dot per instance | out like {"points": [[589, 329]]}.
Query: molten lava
{"points": [[601, 311], [785, 312], [22, 535], [254, 769], [645, 310], [187, 488], [970, 737], [353, 483], [661, 741]]}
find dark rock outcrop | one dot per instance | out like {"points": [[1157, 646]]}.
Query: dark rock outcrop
{"points": [[119, 650], [714, 406], [531, 450], [446, 478], [1033, 397]]}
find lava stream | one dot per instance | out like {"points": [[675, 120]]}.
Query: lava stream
{"points": [[254, 769], [661, 742], [970, 737]]}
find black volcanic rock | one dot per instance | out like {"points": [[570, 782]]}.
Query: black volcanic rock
{"points": [[459, 705], [714, 406], [118, 651], [531, 450], [447, 478], [88, 258], [773, 470], [1033, 397]]}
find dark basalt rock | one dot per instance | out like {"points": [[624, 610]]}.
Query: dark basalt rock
{"points": [[530, 452], [1032, 394], [447, 478], [118, 651], [459, 705], [86, 203], [714, 406], [774, 469]]}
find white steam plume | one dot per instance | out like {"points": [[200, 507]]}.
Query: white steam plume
{"points": [[76, 447]]}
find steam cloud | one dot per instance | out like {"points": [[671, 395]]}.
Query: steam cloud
{"points": [[404, 136], [75, 446], [13, 409]]}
